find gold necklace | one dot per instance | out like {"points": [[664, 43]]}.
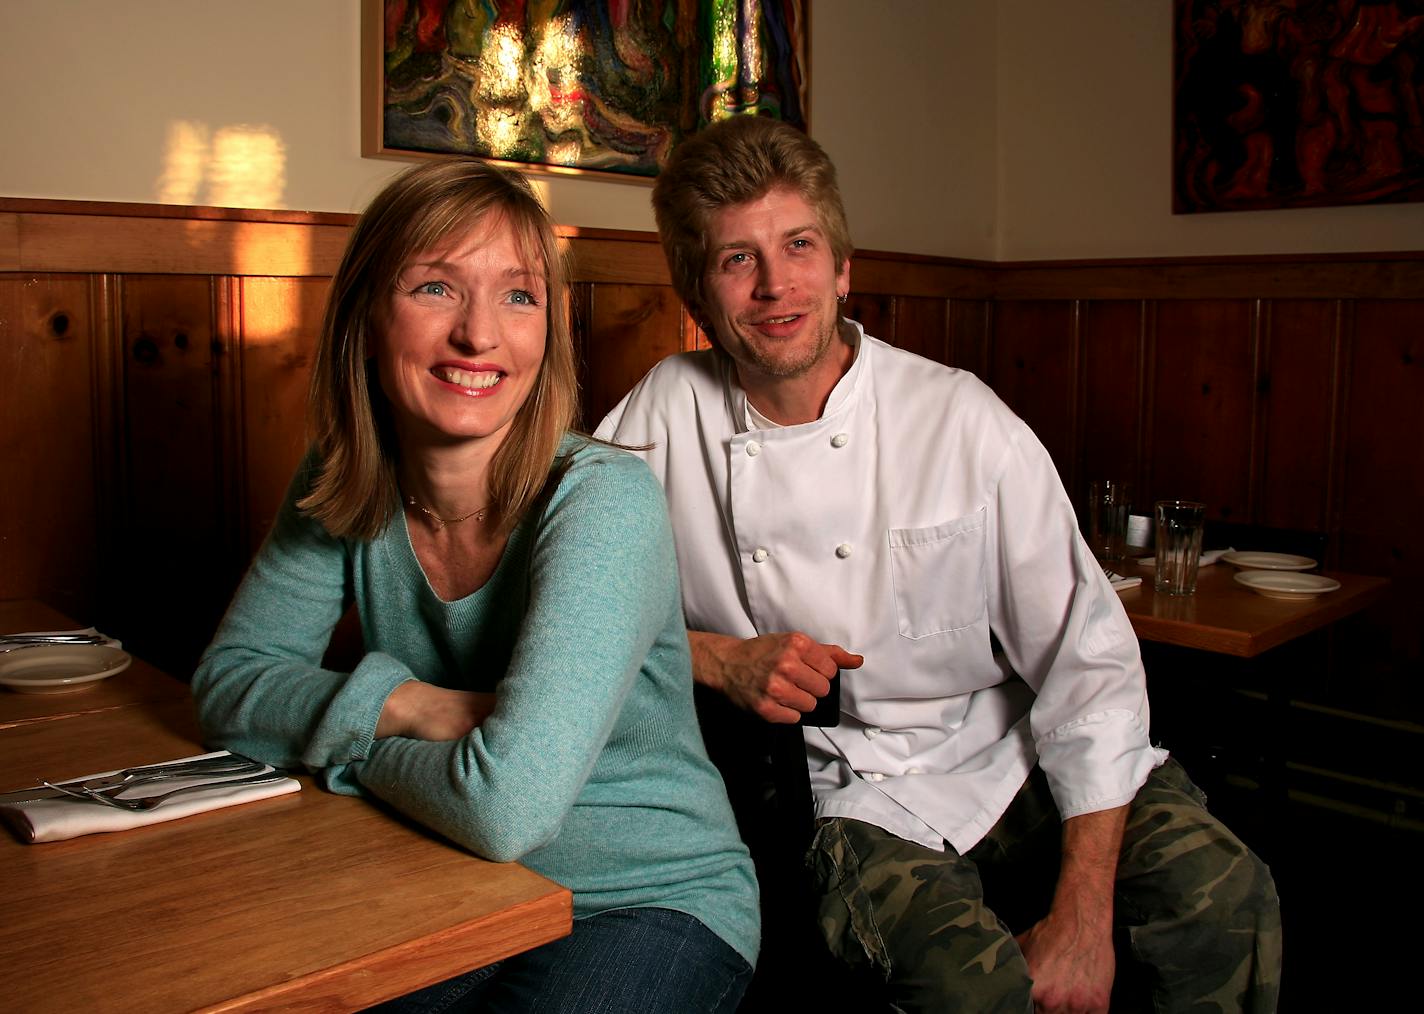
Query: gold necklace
{"points": [[478, 513]]}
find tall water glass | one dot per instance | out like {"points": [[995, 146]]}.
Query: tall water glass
{"points": [[1108, 501], [1179, 542]]}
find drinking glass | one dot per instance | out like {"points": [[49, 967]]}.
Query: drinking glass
{"points": [[1108, 501], [1179, 542]]}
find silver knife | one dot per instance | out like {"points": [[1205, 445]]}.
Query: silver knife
{"points": [[53, 639], [227, 765]]}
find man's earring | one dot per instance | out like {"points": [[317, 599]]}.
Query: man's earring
{"points": [[842, 297]]}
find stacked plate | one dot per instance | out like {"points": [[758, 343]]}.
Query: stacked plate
{"points": [[1278, 575], [1268, 561], [60, 668]]}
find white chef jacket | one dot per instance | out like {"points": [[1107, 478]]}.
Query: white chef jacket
{"points": [[914, 517]]}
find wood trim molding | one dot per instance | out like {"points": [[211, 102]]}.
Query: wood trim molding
{"points": [[88, 236], [124, 209], [9, 242], [199, 246], [1349, 276]]}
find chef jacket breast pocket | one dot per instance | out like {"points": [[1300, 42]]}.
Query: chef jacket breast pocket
{"points": [[938, 573]]}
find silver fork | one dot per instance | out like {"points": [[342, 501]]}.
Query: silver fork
{"points": [[231, 764], [134, 778], [141, 803]]}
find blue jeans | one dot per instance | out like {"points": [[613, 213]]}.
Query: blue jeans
{"points": [[633, 960]]}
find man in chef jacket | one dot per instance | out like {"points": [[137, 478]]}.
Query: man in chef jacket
{"points": [[840, 504]]}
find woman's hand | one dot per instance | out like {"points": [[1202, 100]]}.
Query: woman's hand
{"points": [[419, 710]]}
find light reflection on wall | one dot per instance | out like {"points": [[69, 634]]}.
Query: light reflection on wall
{"points": [[248, 168], [184, 158], [237, 166]]}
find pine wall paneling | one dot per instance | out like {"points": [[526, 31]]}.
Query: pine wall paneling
{"points": [[55, 432], [157, 361]]}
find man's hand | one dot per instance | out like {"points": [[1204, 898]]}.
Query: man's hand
{"points": [[776, 676], [1070, 952], [419, 710], [1072, 963]]}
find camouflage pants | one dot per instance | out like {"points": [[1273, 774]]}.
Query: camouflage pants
{"points": [[1196, 919]]}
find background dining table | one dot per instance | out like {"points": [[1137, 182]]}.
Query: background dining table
{"points": [[307, 901], [1240, 635], [1226, 617], [141, 683]]}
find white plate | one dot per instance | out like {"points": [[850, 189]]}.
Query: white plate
{"points": [[1268, 561], [1286, 585], [60, 668]]}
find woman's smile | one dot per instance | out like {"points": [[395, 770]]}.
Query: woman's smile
{"points": [[473, 380]]}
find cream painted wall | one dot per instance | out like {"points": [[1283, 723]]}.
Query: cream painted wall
{"points": [[104, 98], [1050, 123], [903, 100], [149, 102], [1084, 161]]}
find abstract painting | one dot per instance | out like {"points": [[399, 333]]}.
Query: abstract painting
{"points": [[574, 85], [1297, 103]]}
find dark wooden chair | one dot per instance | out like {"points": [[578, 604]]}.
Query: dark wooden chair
{"points": [[764, 768]]}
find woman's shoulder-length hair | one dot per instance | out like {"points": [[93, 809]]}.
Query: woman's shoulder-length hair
{"points": [[354, 491]]}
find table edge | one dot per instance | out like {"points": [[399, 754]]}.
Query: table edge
{"points": [[517, 929]]}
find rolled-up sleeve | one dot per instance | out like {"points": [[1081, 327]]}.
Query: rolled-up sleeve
{"points": [[1066, 634]]}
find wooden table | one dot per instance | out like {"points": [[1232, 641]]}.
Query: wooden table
{"points": [[309, 901], [140, 683], [1228, 618]]}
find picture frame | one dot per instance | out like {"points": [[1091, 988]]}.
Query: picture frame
{"points": [[567, 90], [1298, 105]]}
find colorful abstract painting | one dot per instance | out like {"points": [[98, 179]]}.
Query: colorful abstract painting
{"points": [[1297, 103], [604, 85]]}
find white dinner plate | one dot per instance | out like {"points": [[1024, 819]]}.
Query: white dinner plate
{"points": [[1268, 561], [60, 668], [1285, 584]]}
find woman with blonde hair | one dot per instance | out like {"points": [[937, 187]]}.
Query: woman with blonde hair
{"points": [[525, 688]]}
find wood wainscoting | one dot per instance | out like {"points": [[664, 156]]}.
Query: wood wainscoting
{"points": [[156, 360]]}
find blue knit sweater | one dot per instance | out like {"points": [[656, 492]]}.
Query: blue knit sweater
{"points": [[591, 769]]}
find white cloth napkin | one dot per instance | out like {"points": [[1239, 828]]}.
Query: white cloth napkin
{"points": [[58, 819], [1119, 582], [1207, 558]]}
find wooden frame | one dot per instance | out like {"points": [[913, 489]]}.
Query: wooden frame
{"points": [[573, 94]]}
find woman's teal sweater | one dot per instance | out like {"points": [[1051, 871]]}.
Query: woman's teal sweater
{"points": [[591, 769]]}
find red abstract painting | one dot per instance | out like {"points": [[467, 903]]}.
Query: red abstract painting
{"points": [[1297, 103]]}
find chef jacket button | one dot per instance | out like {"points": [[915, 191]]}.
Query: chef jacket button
{"points": [[753, 448], [871, 732], [760, 555], [840, 440], [876, 776], [843, 550]]}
